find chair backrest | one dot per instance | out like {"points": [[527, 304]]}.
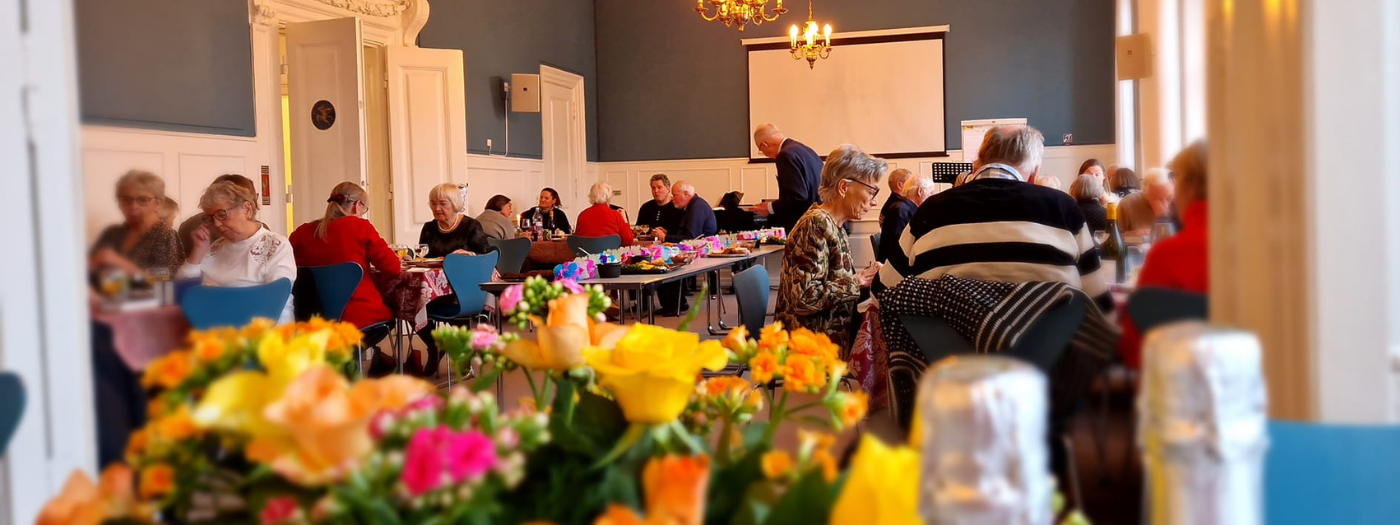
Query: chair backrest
{"points": [[335, 284], [1041, 345], [12, 402], [513, 253], [214, 306], [1323, 473], [306, 298], [875, 244], [751, 291], [466, 273], [1151, 307], [594, 245]]}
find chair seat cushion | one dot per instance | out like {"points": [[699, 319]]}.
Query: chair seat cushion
{"points": [[444, 308]]}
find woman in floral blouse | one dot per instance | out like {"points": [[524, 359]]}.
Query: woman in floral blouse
{"points": [[820, 287]]}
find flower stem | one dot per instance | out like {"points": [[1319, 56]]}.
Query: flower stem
{"points": [[534, 391], [722, 455], [775, 417]]}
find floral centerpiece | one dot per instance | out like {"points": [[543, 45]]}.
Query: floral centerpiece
{"points": [[624, 425]]}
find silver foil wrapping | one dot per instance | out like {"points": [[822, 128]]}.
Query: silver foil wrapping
{"points": [[1202, 426], [982, 421]]}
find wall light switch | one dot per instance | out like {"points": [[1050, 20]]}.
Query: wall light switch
{"points": [[488, 143], [1069, 139]]}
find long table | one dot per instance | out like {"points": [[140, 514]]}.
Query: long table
{"points": [[644, 283]]}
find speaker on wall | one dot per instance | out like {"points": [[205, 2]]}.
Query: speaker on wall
{"points": [[525, 93], [1134, 56]]}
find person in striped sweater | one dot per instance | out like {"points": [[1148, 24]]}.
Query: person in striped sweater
{"points": [[997, 227]]}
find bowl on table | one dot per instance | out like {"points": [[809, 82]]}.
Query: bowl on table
{"points": [[610, 270]]}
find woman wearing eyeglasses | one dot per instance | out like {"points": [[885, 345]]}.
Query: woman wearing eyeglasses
{"points": [[820, 285], [142, 241], [344, 235], [245, 254]]}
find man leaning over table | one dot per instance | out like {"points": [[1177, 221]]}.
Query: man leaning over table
{"points": [[799, 176]]}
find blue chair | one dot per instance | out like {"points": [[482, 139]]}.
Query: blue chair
{"points": [[214, 306], [465, 273], [1322, 473], [513, 252], [1151, 307], [593, 245], [12, 402], [751, 292], [335, 284]]}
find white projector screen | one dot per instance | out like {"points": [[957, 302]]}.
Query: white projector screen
{"points": [[884, 96]]}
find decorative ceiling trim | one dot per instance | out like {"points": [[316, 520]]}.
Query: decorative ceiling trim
{"points": [[380, 8]]}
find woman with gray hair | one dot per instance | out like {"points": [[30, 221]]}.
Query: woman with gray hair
{"points": [[142, 241], [1087, 191], [820, 286], [245, 254], [450, 231], [600, 219]]}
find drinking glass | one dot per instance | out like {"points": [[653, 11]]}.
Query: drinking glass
{"points": [[158, 275], [1162, 230], [421, 251], [1099, 237]]}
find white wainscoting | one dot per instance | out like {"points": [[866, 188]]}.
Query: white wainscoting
{"points": [[187, 161]]}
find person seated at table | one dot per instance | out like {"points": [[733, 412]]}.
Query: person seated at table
{"points": [[1182, 261], [1088, 193], [600, 220], [344, 235], [660, 212], [1048, 181], [1139, 211], [549, 212], [820, 286], [246, 254], [495, 220], [197, 221], [1124, 182], [450, 231], [142, 242], [895, 219], [697, 217], [169, 211]]}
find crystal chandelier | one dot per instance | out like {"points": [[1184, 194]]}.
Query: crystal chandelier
{"points": [[811, 44], [739, 12]]}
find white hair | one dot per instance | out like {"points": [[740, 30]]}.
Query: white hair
{"points": [[848, 161], [1156, 177], [600, 193], [764, 131], [918, 183], [1049, 181]]}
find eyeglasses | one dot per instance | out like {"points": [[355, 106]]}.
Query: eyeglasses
{"points": [[220, 216], [873, 196], [139, 201]]}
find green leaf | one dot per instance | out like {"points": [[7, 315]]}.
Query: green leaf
{"points": [[758, 503], [808, 501], [634, 434], [597, 424], [730, 484], [489, 380]]}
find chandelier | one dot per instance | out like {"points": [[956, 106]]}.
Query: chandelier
{"points": [[739, 12], [811, 44]]}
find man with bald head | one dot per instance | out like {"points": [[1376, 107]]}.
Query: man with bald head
{"points": [[697, 217], [799, 176]]}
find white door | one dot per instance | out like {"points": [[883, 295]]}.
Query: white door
{"points": [[427, 131], [325, 92], [562, 120]]}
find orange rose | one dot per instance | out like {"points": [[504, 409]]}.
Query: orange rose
{"points": [[83, 503], [675, 487], [763, 367], [773, 337], [737, 340], [168, 371], [800, 374], [157, 481], [776, 464]]}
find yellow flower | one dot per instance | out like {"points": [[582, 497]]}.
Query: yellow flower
{"points": [[260, 328], [208, 349], [800, 374], [168, 371], [236, 401], [652, 372], [763, 367], [737, 340], [157, 481], [827, 462], [674, 488], [562, 337], [776, 464], [137, 443], [773, 338], [807, 343], [883, 487]]}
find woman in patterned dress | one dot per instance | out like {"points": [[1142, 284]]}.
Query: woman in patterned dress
{"points": [[820, 287]]}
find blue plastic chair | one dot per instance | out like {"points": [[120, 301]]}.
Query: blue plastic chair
{"points": [[751, 293], [214, 306], [593, 245], [12, 402], [514, 253], [1322, 473], [1151, 307], [465, 273]]}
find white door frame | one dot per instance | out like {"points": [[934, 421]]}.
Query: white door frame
{"points": [[573, 83]]}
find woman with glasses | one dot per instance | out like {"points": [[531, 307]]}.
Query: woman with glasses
{"points": [[142, 242], [245, 254], [344, 235], [820, 285]]}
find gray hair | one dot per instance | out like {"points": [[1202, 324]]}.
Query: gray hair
{"points": [[917, 183], [144, 181], [1086, 187], [1156, 177], [449, 191], [228, 193], [764, 131], [1016, 145], [683, 186], [848, 161], [600, 193]]}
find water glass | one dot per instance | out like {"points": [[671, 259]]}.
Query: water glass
{"points": [[421, 251], [1162, 230]]}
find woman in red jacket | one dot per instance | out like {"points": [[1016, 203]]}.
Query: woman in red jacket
{"points": [[600, 220], [345, 236]]}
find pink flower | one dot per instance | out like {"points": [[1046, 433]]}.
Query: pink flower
{"points": [[435, 451], [484, 337], [511, 298], [280, 510], [571, 285]]}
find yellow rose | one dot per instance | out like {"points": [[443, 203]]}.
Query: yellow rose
{"points": [[562, 337], [236, 401], [883, 487], [653, 371]]}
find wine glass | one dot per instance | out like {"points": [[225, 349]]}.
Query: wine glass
{"points": [[1099, 237], [421, 251]]}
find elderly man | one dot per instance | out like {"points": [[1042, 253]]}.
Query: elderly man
{"points": [[697, 217], [799, 176], [1139, 211], [895, 215]]}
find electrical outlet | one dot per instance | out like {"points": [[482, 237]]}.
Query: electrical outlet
{"points": [[488, 143], [1069, 139]]}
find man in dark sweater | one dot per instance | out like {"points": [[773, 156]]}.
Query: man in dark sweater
{"points": [[697, 217], [799, 176], [659, 212]]}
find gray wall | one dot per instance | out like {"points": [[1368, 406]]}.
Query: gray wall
{"points": [[516, 36], [675, 87], [166, 64]]}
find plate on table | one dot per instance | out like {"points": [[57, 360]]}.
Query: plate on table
{"points": [[633, 269], [435, 262]]}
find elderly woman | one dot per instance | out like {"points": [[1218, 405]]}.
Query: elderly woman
{"points": [[820, 286], [450, 231], [600, 219], [495, 221], [245, 254], [142, 241], [549, 212], [344, 235], [1087, 191]]}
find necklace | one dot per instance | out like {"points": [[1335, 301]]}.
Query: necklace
{"points": [[457, 221]]}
